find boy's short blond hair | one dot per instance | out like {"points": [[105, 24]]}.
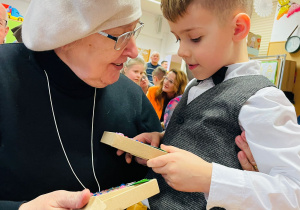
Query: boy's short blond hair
{"points": [[173, 9], [159, 72]]}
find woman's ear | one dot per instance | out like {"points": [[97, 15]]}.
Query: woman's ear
{"points": [[241, 26]]}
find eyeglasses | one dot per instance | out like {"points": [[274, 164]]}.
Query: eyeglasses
{"points": [[144, 78], [3, 22], [167, 79], [122, 40]]}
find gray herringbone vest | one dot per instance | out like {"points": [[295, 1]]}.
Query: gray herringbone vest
{"points": [[207, 127]]}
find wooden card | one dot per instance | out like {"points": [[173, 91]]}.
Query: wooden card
{"points": [[131, 146], [123, 198]]}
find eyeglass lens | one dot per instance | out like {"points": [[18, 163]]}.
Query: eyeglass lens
{"points": [[124, 39], [166, 79]]}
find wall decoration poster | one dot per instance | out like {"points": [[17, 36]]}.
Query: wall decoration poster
{"points": [[10, 38], [253, 44], [269, 69], [14, 19], [144, 53]]}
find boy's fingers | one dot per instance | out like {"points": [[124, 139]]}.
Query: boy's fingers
{"points": [[158, 161], [170, 149]]}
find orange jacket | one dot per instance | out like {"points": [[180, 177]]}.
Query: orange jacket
{"points": [[151, 96]]}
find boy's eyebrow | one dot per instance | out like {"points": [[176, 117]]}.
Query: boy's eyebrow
{"points": [[188, 29]]}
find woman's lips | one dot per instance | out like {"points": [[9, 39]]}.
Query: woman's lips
{"points": [[119, 66], [191, 67]]}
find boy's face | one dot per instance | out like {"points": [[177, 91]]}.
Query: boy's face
{"points": [[205, 45]]}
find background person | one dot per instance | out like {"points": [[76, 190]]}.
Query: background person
{"points": [[72, 91], [170, 109], [172, 86], [134, 68], [3, 24], [158, 75], [153, 64], [145, 84], [164, 64]]}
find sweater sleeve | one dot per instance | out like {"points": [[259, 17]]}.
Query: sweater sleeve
{"points": [[10, 205]]}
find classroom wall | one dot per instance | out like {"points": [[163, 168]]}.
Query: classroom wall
{"points": [[282, 28], [20, 5], [155, 38], [263, 26]]}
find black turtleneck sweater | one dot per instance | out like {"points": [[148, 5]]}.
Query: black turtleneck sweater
{"points": [[32, 161]]}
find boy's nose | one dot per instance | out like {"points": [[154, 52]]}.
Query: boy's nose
{"points": [[183, 51]]}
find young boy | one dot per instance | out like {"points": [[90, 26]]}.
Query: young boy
{"points": [[228, 97], [158, 74]]}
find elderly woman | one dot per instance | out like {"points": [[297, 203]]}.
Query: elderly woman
{"points": [[58, 93]]}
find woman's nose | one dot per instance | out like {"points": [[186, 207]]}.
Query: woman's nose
{"points": [[131, 49]]}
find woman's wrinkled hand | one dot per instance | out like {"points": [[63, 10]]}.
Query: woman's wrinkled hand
{"points": [[59, 200]]}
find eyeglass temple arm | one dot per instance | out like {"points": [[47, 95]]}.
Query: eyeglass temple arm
{"points": [[109, 36]]}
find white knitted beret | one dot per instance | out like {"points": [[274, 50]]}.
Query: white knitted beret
{"points": [[50, 24]]}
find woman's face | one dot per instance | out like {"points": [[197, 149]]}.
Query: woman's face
{"points": [[135, 72], [144, 81], [169, 83], [95, 61]]}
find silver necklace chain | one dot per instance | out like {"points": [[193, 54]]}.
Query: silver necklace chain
{"points": [[62, 146]]}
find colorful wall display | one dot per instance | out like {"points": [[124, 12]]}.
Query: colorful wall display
{"points": [[14, 19]]}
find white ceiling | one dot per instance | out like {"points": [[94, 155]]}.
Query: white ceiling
{"points": [[152, 6]]}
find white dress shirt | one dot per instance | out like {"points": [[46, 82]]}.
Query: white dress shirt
{"points": [[272, 132]]}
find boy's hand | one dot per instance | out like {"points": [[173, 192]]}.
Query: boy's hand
{"points": [[245, 156], [183, 170], [59, 200], [148, 138]]}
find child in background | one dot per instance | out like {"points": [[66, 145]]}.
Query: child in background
{"points": [[134, 69], [158, 75], [228, 96]]}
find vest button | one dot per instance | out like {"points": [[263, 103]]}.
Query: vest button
{"points": [[180, 120]]}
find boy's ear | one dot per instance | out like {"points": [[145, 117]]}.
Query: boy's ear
{"points": [[241, 26]]}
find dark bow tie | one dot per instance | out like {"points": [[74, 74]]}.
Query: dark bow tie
{"points": [[219, 76]]}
